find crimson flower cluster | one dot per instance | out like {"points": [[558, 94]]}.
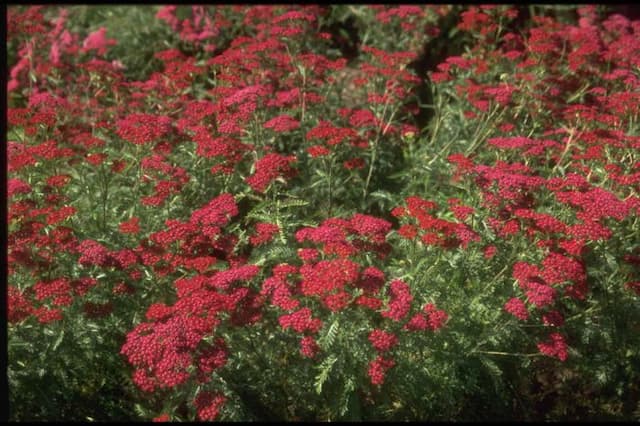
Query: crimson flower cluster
{"points": [[433, 230], [332, 273]]}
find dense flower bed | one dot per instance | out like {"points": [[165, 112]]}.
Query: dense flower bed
{"points": [[263, 227]]}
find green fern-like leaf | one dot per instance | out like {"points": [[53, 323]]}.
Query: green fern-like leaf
{"points": [[494, 371], [323, 375], [141, 411], [292, 203], [329, 338], [283, 239], [348, 397], [276, 252]]}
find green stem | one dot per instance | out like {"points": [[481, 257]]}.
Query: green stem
{"points": [[506, 353], [484, 129], [437, 118], [330, 173], [374, 146], [105, 196], [138, 178], [303, 95], [572, 133], [374, 151]]}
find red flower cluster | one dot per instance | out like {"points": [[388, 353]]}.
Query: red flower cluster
{"points": [[98, 41], [345, 238], [378, 369], [325, 130], [433, 230], [308, 347], [140, 129], [264, 233], [430, 318], [18, 305], [554, 347], [382, 341], [562, 193], [161, 351], [164, 350], [282, 123], [131, 226], [517, 308], [341, 281], [278, 287], [400, 303], [269, 168], [300, 321], [327, 276], [208, 405], [17, 186]]}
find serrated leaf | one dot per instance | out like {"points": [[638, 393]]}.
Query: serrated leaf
{"points": [[382, 194], [330, 337], [140, 410], [58, 340], [292, 203], [350, 403], [323, 375], [492, 368]]}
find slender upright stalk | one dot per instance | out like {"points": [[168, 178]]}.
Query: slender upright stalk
{"points": [[330, 185], [105, 196], [382, 130]]}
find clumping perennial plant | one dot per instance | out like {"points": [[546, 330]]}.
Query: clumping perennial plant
{"points": [[323, 212]]}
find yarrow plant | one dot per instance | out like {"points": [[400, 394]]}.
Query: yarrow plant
{"points": [[272, 212]]}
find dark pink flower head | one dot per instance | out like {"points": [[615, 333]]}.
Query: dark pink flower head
{"points": [[162, 351], [131, 226], [436, 317], [371, 280], [98, 40], [217, 213], [212, 357], [596, 203], [523, 271], [308, 347], [323, 234], [93, 253], [363, 118], [559, 269], [224, 279], [369, 225], [555, 347], [318, 151], [167, 14], [208, 405], [382, 341], [400, 303], [17, 186], [269, 168], [264, 233], [553, 318], [162, 418], [378, 369], [301, 321], [540, 294], [308, 255], [139, 128], [327, 276], [517, 308], [19, 306], [282, 123]]}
